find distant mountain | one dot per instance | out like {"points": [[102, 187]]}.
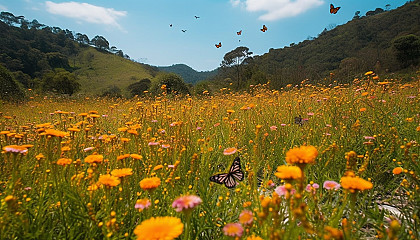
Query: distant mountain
{"points": [[188, 74]]}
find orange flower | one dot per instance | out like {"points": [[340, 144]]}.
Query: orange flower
{"points": [[109, 181], [121, 157], [122, 172], [354, 183], [303, 154], [397, 170], [56, 133], [229, 151], [150, 183], [64, 161], [288, 172], [159, 228], [136, 156], [94, 159]]}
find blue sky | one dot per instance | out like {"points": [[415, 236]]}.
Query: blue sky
{"points": [[141, 27]]}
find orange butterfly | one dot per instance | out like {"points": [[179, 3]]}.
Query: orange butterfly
{"points": [[239, 33], [264, 28], [334, 10], [218, 45]]}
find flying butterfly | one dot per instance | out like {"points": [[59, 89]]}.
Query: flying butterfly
{"points": [[334, 10], [218, 45], [229, 179], [239, 33], [264, 28], [183, 30]]}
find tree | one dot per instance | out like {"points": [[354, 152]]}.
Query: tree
{"points": [[100, 42], [113, 92], [10, 89], [356, 15], [236, 58], [9, 18], [60, 81], [407, 49], [173, 82], [138, 88], [82, 38]]}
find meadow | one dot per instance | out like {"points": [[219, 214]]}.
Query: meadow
{"points": [[319, 161]]}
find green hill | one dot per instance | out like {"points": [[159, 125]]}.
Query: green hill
{"points": [[188, 74], [98, 71], [363, 44]]}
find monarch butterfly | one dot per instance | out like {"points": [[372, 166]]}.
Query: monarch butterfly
{"points": [[183, 30], [218, 45], [229, 179], [334, 10], [264, 28], [196, 17], [239, 33]]}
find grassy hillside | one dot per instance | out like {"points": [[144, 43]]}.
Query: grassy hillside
{"points": [[363, 44], [188, 74], [98, 71]]}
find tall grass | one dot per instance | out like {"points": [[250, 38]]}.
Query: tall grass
{"points": [[379, 122]]}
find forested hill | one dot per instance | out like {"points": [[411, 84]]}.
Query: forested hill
{"points": [[50, 59], [383, 41], [187, 73]]}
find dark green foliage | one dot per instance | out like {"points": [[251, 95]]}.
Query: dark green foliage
{"points": [[10, 89], [60, 81], [188, 74], [174, 84], [112, 91], [408, 49], [100, 42], [138, 88], [236, 59]]}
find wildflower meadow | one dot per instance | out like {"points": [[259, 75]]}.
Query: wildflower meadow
{"points": [[304, 162]]}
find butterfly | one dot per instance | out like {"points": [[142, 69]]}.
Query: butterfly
{"points": [[218, 45], [239, 33], [229, 179], [196, 17], [183, 30], [170, 25], [264, 28], [299, 120], [334, 10]]}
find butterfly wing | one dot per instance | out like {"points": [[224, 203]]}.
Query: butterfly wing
{"points": [[239, 33], [230, 181], [219, 178], [235, 170]]}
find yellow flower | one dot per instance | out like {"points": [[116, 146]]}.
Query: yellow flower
{"points": [[150, 183], [354, 183], [303, 154], [109, 181], [94, 159], [288, 172], [15, 149], [160, 166], [122, 172], [136, 156], [159, 228], [368, 73]]}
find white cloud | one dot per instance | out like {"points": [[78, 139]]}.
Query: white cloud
{"points": [[277, 9], [3, 8], [86, 12]]}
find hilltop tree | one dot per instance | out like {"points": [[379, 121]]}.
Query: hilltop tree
{"points": [[82, 38], [100, 42], [236, 58]]}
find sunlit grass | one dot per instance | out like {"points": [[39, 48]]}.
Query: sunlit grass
{"points": [[112, 164]]}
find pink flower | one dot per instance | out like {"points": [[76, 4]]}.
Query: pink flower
{"points": [[331, 185], [229, 151], [88, 149], [166, 146], [273, 128], [142, 204], [153, 143], [246, 217], [312, 188], [369, 138], [310, 113], [186, 202], [282, 191], [283, 124], [233, 229]]}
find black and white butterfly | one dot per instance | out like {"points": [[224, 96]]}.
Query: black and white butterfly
{"points": [[299, 120], [229, 179]]}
